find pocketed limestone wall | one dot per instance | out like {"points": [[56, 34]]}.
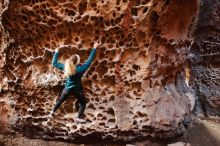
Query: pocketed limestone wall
{"points": [[135, 87]]}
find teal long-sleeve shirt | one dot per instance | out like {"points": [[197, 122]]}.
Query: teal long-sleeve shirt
{"points": [[74, 81]]}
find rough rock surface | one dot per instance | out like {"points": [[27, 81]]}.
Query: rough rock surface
{"points": [[136, 85], [205, 57], [179, 144]]}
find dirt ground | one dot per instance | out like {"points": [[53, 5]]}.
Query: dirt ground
{"points": [[201, 133]]}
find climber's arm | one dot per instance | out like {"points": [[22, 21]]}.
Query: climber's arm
{"points": [[88, 62], [55, 62]]}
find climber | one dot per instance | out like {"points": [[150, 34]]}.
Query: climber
{"points": [[73, 73]]}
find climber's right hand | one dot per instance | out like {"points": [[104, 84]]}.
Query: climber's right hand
{"points": [[57, 49], [96, 44]]}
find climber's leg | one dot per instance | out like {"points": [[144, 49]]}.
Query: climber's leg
{"points": [[77, 105], [82, 104], [64, 95]]}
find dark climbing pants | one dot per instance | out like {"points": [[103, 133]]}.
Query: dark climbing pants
{"points": [[80, 103]]}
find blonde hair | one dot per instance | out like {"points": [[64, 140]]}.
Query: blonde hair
{"points": [[70, 65]]}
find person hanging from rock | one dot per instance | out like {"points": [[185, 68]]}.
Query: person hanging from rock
{"points": [[73, 73]]}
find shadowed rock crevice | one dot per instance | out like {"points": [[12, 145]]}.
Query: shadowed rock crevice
{"points": [[204, 57]]}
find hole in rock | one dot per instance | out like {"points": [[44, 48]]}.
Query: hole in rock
{"points": [[114, 14], [76, 39], [101, 19], [82, 7], [111, 111], [80, 45], [88, 120], [90, 115], [83, 131], [92, 69], [117, 20], [96, 37], [121, 65], [112, 98], [95, 76], [134, 122], [44, 6], [102, 124], [93, 18], [101, 107], [134, 12], [136, 67], [99, 115], [131, 72], [97, 99], [91, 106], [107, 23], [140, 114], [25, 18], [112, 22], [154, 16], [136, 85], [104, 101], [52, 22], [130, 112], [145, 10], [127, 83], [104, 118], [71, 13], [110, 80], [118, 2], [111, 120], [121, 43]]}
